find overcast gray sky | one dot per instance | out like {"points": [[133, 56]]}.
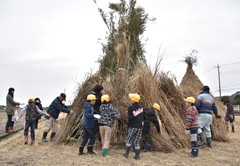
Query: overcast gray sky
{"points": [[47, 47]]}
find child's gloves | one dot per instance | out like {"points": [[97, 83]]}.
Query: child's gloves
{"points": [[47, 116], [17, 118], [187, 132], [97, 116], [71, 112]]}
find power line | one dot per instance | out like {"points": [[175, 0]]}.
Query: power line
{"points": [[234, 63], [227, 88], [231, 86], [208, 70], [219, 80]]}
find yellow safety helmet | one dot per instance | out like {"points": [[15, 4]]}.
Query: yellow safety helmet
{"points": [[105, 98], [156, 106], [31, 100], [190, 100], [91, 97], [134, 97]]}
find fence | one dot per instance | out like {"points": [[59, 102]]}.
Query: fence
{"points": [[236, 109]]}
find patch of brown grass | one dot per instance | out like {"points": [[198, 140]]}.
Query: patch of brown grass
{"points": [[13, 152]]}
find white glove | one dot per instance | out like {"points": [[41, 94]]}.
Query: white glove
{"points": [[187, 132], [97, 116], [231, 116], [71, 112], [47, 116], [17, 118]]}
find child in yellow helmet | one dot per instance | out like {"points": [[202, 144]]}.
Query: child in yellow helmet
{"points": [[150, 117], [192, 124], [107, 112], [135, 125], [32, 112], [88, 125]]}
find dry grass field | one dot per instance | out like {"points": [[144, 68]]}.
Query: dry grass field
{"points": [[3, 120], [13, 152]]}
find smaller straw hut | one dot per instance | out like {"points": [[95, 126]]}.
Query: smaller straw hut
{"points": [[191, 86]]}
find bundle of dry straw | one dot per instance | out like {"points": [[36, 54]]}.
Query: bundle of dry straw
{"points": [[157, 87], [152, 88]]}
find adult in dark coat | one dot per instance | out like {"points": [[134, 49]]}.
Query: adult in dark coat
{"points": [[205, 105], [97, 91], [54, 110], [229, 115], [10, 110], [39, 105]]}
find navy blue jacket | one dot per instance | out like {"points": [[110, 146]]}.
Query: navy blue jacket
{"points": [[205, 104], [88, 118], [56, 107]]}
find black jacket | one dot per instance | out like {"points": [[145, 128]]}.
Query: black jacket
{"points": [[230, 111], [98, 103], [150, 116], [41, 108], [135, 116]]}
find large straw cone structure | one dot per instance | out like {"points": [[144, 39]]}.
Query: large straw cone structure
{"points": [[191, 86], [159, 88]]}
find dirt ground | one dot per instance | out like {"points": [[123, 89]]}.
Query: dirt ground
{"points": [[13, 152]]}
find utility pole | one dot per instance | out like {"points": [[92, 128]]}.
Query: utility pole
{"points": [[219, 81]]}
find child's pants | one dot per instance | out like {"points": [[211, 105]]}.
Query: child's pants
{"points": [[31, 124], [97, 131], [135, 135], [88, 134], [146, 137], [51, 123], [105, 132], [205, 120], [193, 138]]}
